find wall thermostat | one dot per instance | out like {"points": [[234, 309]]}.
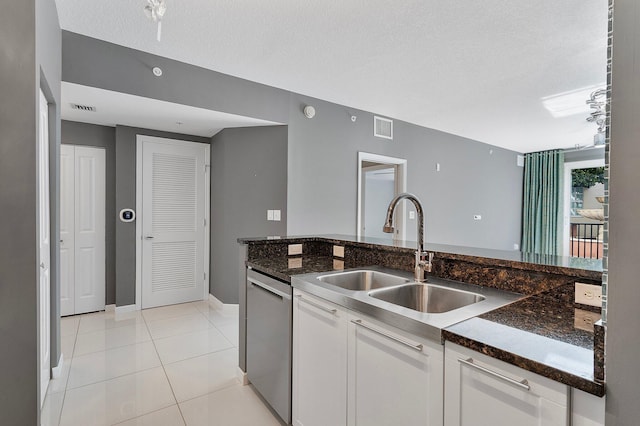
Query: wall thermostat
{"points": [[127, 215]]}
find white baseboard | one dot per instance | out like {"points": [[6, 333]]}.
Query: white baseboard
{"points": [[124, 309], [110, 308], [242, 376], [56, 372], [227, 307]]}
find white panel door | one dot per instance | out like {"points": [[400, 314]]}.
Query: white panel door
{"points": [[44, 254], [89, 293], [82, 229], [173, 227], [67, 229]]}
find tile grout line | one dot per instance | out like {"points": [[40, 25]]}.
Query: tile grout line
{"points": [[165, 372]]}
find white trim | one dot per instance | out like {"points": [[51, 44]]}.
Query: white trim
{"points": [[207, 211], [225, 307], [56, 372], [242, 377], [110, 308], [566, 214], [139, 163], [401, 186], [125, 309], [207, 218], [217, 303]]}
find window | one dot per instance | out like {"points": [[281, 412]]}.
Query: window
{"points": [[577, 200]]}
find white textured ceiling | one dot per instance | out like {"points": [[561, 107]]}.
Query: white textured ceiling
{"points": [[113, 108], [479, 69]]}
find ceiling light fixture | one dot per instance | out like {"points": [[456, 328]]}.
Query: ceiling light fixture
{"points": [[155, 10], [598, 103]]}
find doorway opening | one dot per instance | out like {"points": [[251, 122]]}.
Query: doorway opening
{"points": [[583, 223], [380, 178]]}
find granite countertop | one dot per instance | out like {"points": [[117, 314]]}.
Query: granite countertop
{"points": [[284, 267], [537, 333], [585, 268]]}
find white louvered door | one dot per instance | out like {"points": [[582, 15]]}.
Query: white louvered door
{"points": [[173, 221]]}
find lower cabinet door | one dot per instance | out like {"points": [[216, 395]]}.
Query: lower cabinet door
{"points": [[483, 391], [319, 362], [394, 378]]}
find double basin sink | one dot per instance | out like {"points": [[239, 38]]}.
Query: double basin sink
{"points": [[427, 298], [393, 297]]}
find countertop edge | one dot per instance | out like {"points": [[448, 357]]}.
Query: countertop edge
{"points": [[590, 386]]}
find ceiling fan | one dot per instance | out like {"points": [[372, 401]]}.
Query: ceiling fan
{"points": [[155, 10]]}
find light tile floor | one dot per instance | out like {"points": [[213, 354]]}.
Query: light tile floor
{"points": [[169, 366]]}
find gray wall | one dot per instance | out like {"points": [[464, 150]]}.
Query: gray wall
{"points": [[108, 66], [74, 133], [248, 177], [623, 292], [475, 178], [125, 233], [29, 59]]}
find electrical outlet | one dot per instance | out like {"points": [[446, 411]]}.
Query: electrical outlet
{"points": [[588, 294], [276, 215], [477, 217], [338, 251], [269, 214], [584, 320], [295, 249]]}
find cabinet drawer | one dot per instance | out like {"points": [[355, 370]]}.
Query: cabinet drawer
{"points": [[480, 390]]}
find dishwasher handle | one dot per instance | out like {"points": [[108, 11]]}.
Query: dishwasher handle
{"points": [[268, 288]]}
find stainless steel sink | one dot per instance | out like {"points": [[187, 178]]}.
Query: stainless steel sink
{"points": [[362, 280], [427, 298]]}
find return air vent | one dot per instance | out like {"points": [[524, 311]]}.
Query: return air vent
{"points": [[382, 127], [83, 107]]}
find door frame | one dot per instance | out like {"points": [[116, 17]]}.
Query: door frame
{"points": [[401, 186], [566, 197], [140, 139], [43, 290]]}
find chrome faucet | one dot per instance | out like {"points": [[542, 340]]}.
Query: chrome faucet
{"points": [[423, 258]]}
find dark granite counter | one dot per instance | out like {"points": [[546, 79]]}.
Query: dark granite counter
{"points": [[539, 334], [585, 268], [284, 267]]}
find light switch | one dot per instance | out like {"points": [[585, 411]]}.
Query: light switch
{"points": [[412, 215], [269, 214], [276, 215]]}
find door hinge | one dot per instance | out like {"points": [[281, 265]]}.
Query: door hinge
{"points": [[204, 221], [205, 276], [206, 167]]}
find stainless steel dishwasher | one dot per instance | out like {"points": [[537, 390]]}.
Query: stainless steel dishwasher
{"points": [[269, 325]]}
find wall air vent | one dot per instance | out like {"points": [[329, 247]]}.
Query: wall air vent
{"points": [[382, 127], [83, 107]]}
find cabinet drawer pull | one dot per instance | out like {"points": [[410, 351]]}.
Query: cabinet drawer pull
{"points": [[412, 345], [524, 384], [316, 305]]}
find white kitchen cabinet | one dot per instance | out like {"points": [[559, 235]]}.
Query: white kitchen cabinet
{"points": [[319, 362], [483, 391], [587, 409], [394, 378]]}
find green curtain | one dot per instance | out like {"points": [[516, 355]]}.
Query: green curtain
{"points": [[542, 204]]}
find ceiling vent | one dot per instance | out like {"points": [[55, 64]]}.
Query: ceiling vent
{"points": [[382, 127], [83, 107]]}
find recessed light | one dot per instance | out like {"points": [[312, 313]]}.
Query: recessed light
{"points": [[157, 71]]}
